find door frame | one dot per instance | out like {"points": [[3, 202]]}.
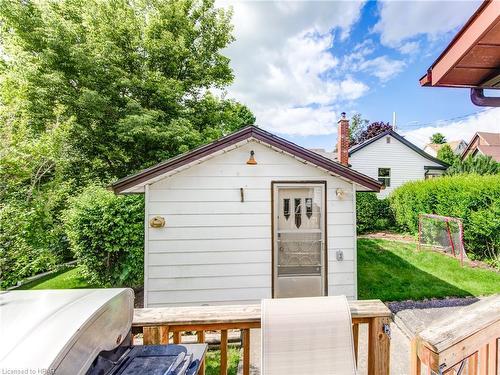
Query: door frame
{"points": [[325, 245]]}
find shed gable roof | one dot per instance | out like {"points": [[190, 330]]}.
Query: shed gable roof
{"points": [[249, 132], [401, 139]]}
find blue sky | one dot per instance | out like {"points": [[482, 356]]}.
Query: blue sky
{"points": [[298, 64]]}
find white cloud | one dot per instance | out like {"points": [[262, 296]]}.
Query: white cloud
{"points": [[383, 67], [283, 65], [401, 21], [409, 47], [301, 121], [487, 121]]}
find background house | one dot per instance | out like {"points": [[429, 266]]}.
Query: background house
{"points": [[247, 217], [393, 160], [483, 143], [457, 147]]}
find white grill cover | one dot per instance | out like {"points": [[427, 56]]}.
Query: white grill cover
{"points": [[307, 336], [61, 331]]}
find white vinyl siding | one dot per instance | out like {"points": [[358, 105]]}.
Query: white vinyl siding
{"points": [[405, 164], [215, 249]]}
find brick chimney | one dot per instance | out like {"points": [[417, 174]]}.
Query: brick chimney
{"points": [[343, 141]]}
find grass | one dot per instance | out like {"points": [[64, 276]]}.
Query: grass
{"points": [[68, 278], [395, 271], [213, 361], [387, 270]]}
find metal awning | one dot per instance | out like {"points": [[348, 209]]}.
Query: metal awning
{"points": [[472, 59]]}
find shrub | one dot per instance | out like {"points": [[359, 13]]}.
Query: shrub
{"points": [[472, 198], [479, 164], [31, 236], [106, 234], [372, 213], [484, 236], [447, 155]]}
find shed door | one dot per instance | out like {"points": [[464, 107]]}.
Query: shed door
{"points": [[299, 240]]}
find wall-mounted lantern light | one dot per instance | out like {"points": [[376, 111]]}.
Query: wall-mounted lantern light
{"points": [[340, 193], [251, 160]]}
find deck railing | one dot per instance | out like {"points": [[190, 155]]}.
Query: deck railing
{"points": [[466, 342], [165, 325]]}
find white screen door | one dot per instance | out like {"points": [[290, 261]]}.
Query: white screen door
{"points": [[299, 239]]}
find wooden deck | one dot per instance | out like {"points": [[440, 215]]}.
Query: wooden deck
{"points": [[464, 343], [164, 325]]}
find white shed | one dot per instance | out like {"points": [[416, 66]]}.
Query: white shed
{"points": [[393, 160], [247, 217]]}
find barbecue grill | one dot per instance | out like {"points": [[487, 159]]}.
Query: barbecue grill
{"points": [[82, 331]]}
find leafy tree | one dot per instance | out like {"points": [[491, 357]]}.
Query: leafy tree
{"points": [[438, 138], [93, 90], [479, 164], [374, 129], [447, 155], [356, 127], [134, 76]]}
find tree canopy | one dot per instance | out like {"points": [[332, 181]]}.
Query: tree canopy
{"points": [[438, 138], [372, 130], [446, 154], [356, 126], [360, 129], [479, 164], [133, 78], [91, 91]]}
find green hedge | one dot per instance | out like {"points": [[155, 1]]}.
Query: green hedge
{"points": [[106, 234], [474, 198], [31, 236], [372, 214]]}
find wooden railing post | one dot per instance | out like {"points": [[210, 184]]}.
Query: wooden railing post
{"points": [[201, 340], [378, 347], [415, 363], [472, 364], [245, 343], [493, 360], [355, 336], [151, 335], [164, 332], [177, 337], [223, 352]]}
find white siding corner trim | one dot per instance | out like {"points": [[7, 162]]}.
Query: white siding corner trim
{"points": [[146, 243]]}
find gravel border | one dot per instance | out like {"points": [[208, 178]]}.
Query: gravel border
{"points": [[396, 307]]}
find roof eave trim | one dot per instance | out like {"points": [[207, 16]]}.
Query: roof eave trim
{"points": [[445, 62], [432, 167], [249, 132]]}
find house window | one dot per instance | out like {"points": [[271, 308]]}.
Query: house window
{"points": [[384, 176], [387, 139]]}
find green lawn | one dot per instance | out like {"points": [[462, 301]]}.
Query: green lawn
{"points": [[395, 271], [68, 278], [387, 270], [213, 361]]}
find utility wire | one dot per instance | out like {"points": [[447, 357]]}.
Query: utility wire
{"points": [[439, 122]]}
